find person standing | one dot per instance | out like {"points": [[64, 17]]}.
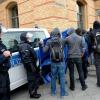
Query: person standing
{"points": [[76, 49], [84, 35], [56, 46], [4, 75], [96, 33], [29, 60]]}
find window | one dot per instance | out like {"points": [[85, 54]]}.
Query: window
{"points": [[80, 15], [37, 36], [98, 14], [14, 39], [14, 17]]}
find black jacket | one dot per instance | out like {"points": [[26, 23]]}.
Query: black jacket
{"points": [[26, 51], [96, 28], [4, 61]]}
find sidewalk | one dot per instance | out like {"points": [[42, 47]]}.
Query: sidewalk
{"points": [[92, 93]]}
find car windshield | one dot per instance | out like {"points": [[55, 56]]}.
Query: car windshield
{"points": [[11, 39]]}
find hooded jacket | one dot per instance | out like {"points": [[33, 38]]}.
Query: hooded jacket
{"points": [[26, 51], [96, 27], [55, 35]]}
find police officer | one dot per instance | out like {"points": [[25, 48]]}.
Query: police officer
{"points": [[4, 76], [29, 60]]}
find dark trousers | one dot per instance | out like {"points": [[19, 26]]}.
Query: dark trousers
{"points": [[97, 64], [78, 63], [4, 86], [33, 78], [84, 67]]}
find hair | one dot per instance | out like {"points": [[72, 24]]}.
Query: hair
{"points": [[78, 31]]}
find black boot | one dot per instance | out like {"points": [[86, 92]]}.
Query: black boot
{"points": [[35, 95], [72, 88], [84, 87]]}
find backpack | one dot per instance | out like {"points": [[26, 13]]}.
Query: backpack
{"points": [[97, 41], [25, 53], [57, 53]]}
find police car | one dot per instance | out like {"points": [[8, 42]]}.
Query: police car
{"points": [[11, 38]]}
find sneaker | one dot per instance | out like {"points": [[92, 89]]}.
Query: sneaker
{"points": [[61, 97], [53, 94], [84, 87], [66, 94]]}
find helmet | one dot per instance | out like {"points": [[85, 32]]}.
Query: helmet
{"points": [[26, 37]]}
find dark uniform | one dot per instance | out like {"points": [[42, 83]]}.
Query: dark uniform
{"points": [[29, 59], [4, 76], [96, 28]]}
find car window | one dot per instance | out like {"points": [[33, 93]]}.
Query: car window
{"points": [[12, 39], [37, 36]]}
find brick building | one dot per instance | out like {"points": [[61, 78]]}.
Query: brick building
{"points": [[49, 13]]}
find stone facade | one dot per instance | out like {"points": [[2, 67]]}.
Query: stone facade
{"points": [[49, 13]]}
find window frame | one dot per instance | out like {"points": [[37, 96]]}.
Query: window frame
{"points": [[14, 17], [80, 15]]}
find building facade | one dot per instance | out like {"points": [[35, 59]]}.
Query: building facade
{"points": [[49, 13]]}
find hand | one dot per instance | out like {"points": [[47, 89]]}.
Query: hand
{"points": [[7, 53], [94, 47], [41, 43], [82, 55]]}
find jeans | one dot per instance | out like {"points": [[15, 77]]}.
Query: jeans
{"points": [[78, 62], [58, 69], [92, 58]]}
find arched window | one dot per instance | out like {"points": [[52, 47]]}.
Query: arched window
{"points": [[13, 15]]}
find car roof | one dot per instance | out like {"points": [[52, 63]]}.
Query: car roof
{"points": [[22, 29]]}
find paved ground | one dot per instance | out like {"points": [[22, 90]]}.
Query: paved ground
{"points": [[92, 93]]}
